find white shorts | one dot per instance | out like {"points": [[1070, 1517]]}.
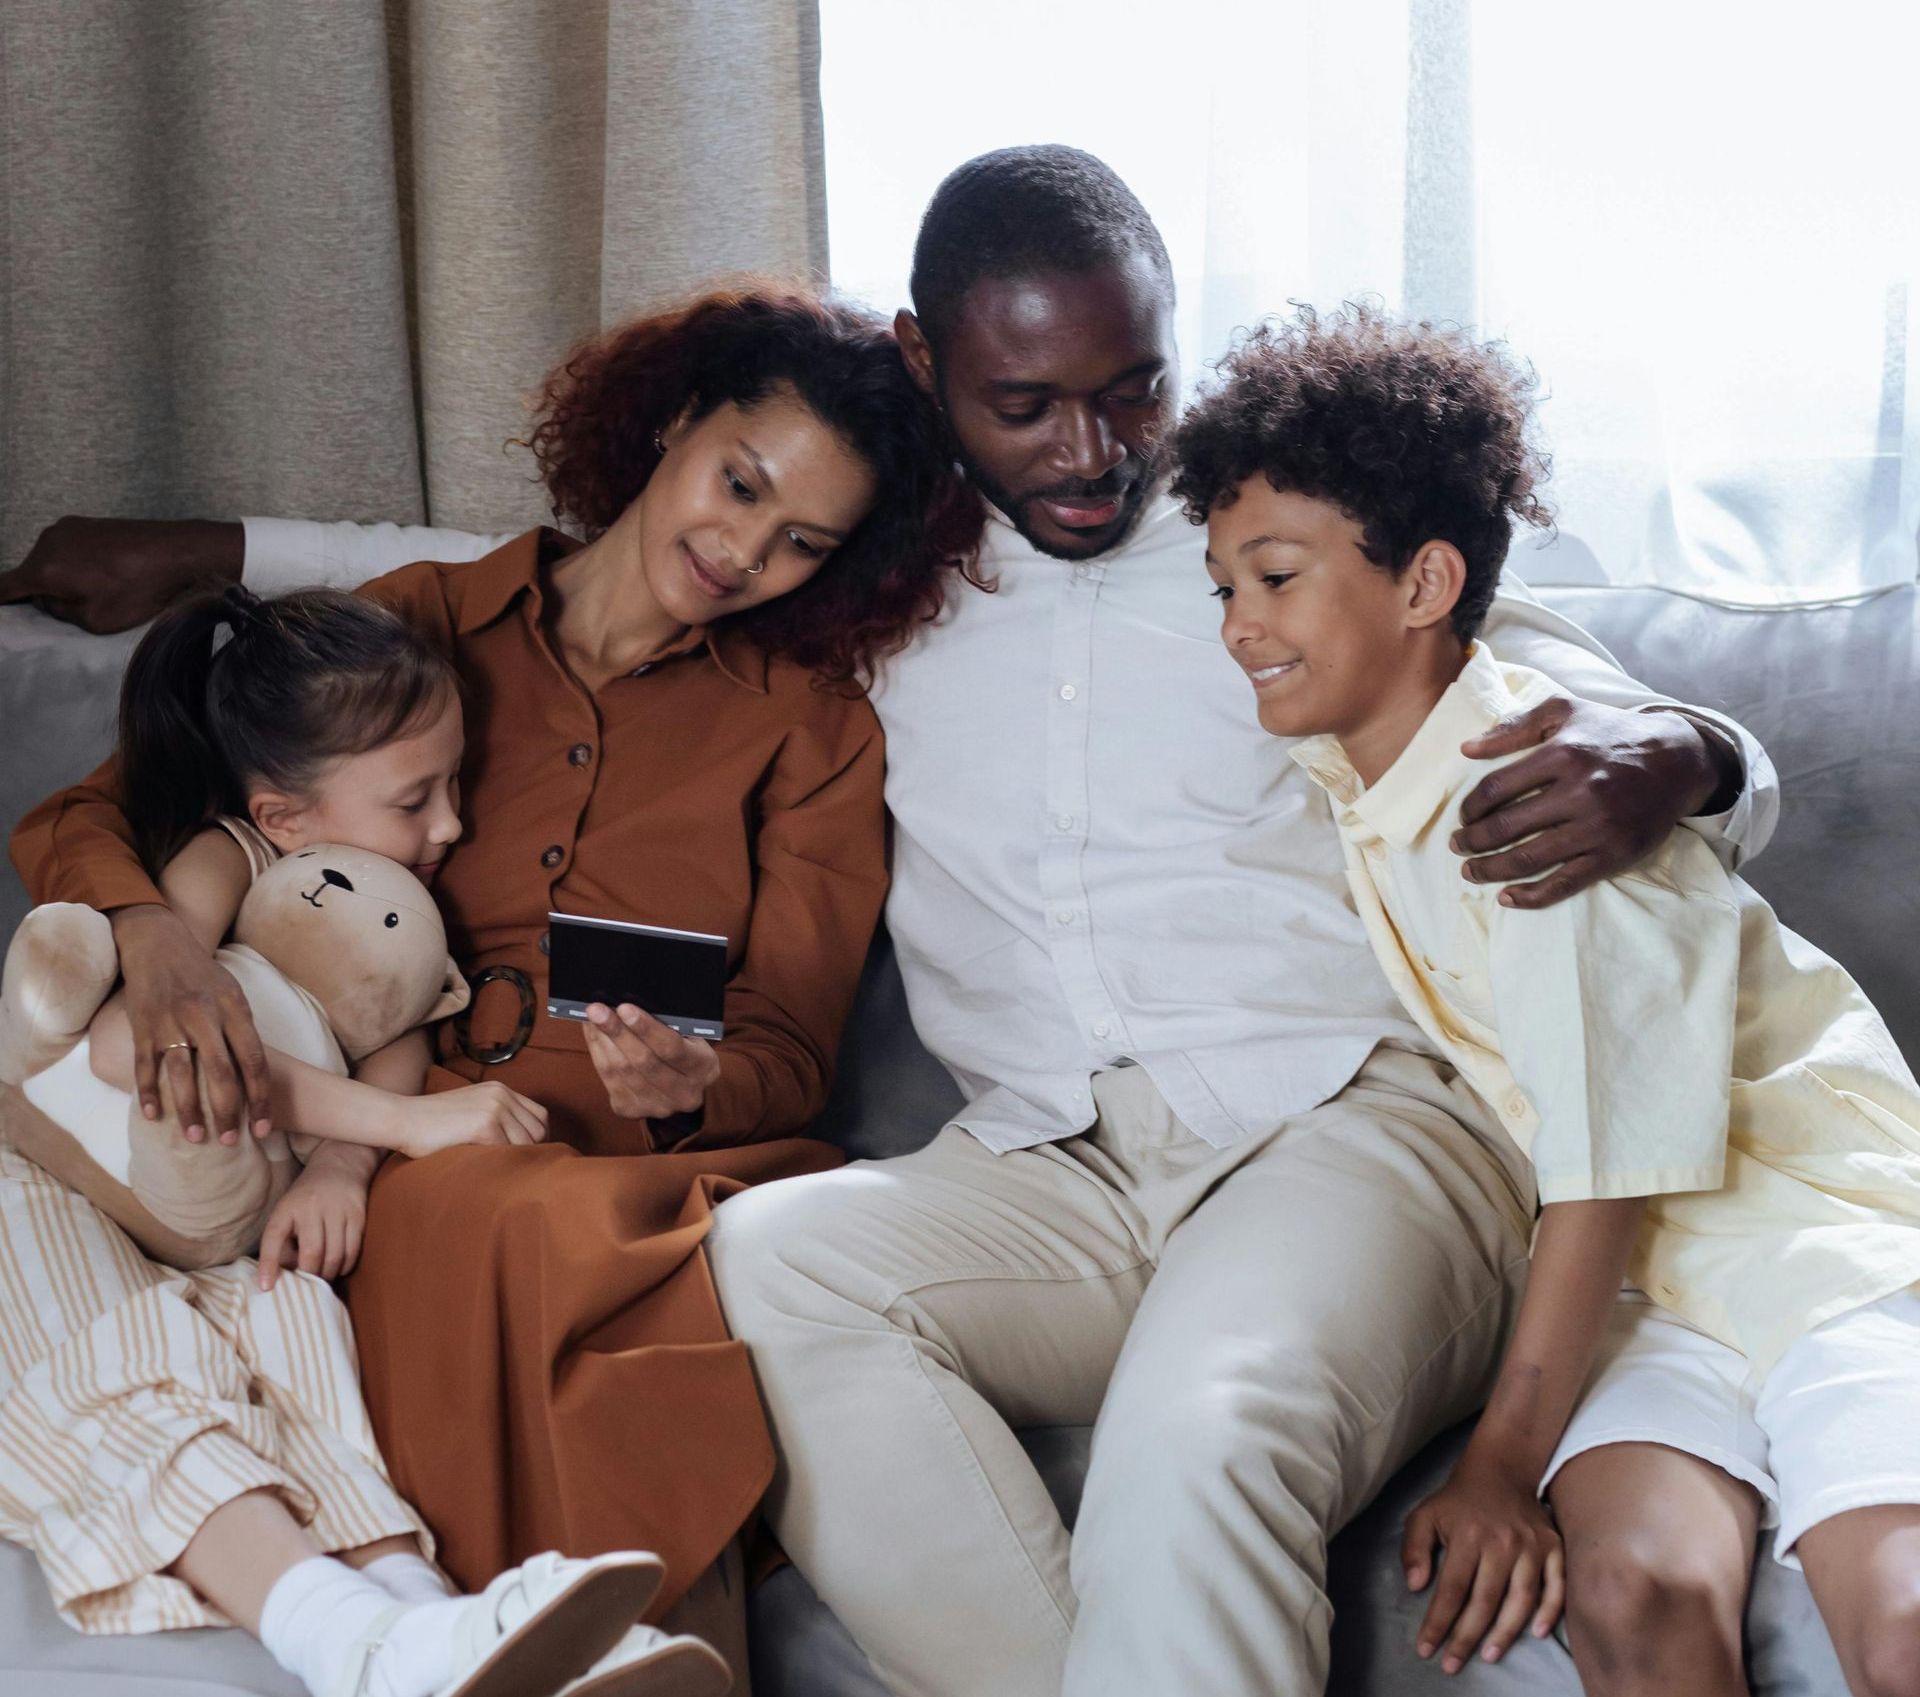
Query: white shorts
{"points": [[1835, 1426]]}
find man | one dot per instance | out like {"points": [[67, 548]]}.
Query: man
{"points": [[1209, 1185]]}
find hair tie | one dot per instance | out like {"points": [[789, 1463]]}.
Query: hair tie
{"points": [[241, 607]]}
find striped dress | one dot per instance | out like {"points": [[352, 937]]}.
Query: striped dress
{"points": [[135, 1400]]}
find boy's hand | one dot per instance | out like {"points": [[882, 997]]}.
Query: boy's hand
{"points": [[1504, 1565], [651, 1072], [1602, 789], [320, 1222]]}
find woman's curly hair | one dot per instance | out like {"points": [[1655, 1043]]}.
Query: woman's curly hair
{"points": [[1415, 431], [598, 416]]}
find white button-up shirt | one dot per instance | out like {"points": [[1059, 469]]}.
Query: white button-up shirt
{"points": [[1100, 855]]}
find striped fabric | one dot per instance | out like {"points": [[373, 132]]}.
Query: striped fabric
{"points": [[134, 1400]]}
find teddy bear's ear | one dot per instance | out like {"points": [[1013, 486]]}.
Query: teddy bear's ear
{"points": [[454, 994]]}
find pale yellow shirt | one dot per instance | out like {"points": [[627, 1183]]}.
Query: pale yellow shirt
{"points": [[1659, 1035]]}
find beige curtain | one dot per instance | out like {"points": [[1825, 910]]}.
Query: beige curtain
{"points": [[267, 256]]}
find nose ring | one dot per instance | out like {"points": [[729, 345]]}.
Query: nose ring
{"points": [[755, 571]]}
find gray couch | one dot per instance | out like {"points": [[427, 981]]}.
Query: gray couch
{"points": [[1833, 692]]}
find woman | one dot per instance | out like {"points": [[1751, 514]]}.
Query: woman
{"points": [[662, 726]]}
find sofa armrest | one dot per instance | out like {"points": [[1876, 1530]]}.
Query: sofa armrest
{"points": [[59, 688]]}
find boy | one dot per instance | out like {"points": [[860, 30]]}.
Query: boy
{"points": [[1713, 1111]]}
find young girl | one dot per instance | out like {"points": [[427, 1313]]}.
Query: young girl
{"points": [[1711, 1109], [182, 1449]]}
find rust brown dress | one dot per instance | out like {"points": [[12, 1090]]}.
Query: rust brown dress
{"points": [[543, 1352]]}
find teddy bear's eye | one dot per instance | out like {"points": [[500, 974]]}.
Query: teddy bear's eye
{"points": [[393, 919]]}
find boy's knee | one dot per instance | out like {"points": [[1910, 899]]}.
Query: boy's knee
{"points": [[1886, 1657], [1629, 1606]]}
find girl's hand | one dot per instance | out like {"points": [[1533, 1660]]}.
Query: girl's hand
{"points": [[182, 1005], [480, 1113], [649, 1069], [318, 1225], [1504, 1561]]}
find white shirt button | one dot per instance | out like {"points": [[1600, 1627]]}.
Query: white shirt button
{"points": [[1063, 821], [1516, 1106], [1068, 692], [1064, 916], [1101, 1028]]}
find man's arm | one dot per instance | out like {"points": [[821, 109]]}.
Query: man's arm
{"points": [[111, 574], [1616, 766]]}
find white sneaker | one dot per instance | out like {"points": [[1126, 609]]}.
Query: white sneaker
{"points": [[650, 1663], [534, 1628]]}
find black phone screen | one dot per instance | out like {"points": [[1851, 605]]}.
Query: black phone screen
{"points": [[665, 973]]}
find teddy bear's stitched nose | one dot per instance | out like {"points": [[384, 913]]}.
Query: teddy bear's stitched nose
{"points": [[339, 880]]}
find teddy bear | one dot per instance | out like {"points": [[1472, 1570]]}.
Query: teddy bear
{"points": [[338, 951]]}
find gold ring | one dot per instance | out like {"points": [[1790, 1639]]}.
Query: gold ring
{"points": [[177, 1046]]}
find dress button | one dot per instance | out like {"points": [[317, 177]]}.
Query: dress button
{"points": [[1064, 916], [579, 754], [1101, 1029], [1063, 821], [553, 855], [546, 942], [1516, 1106], [1068, 692]]}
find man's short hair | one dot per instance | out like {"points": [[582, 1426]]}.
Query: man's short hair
{"points": [[1417, 432], [1023, 212]]}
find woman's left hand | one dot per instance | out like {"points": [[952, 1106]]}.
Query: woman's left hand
{"points": [[650, 1070]]}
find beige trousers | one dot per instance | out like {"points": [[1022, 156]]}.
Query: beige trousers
{"points": [[135, 1400], [1263, 1333]]}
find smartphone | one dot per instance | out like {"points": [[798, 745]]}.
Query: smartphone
{"points": [[680, 977]]}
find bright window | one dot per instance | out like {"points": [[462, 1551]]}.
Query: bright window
{"points": [[1701, 221]]}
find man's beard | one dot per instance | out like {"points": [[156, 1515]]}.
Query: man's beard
{"points": [[1133, 480]]}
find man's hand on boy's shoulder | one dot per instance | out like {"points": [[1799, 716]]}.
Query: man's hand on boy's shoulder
{"points": [[1600, 791], [111, 574]]}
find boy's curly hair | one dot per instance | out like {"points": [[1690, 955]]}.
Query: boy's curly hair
{"points": [[1415, 431]]}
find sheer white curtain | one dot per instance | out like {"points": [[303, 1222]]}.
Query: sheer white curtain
{"points": [[1699, 219]]}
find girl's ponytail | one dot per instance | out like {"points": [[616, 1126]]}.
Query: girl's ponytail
{"points": [[300, 680], [173, 780]]}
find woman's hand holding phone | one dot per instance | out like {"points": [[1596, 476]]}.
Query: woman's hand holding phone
{"points": [[650, 1070]]}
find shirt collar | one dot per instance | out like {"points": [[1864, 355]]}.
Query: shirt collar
{"points": [[1418, 785], [496, 581]]}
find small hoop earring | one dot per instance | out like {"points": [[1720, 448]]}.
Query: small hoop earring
{"points": [[660, 443]]}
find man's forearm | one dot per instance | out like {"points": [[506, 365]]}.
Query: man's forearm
{"points": [[1579, 1258]]}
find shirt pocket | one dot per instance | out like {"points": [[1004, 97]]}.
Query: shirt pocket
{"points": [[1454, 961]]}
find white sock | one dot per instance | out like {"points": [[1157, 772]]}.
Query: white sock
{"points": [[320, 1613], [409, 1577]]}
